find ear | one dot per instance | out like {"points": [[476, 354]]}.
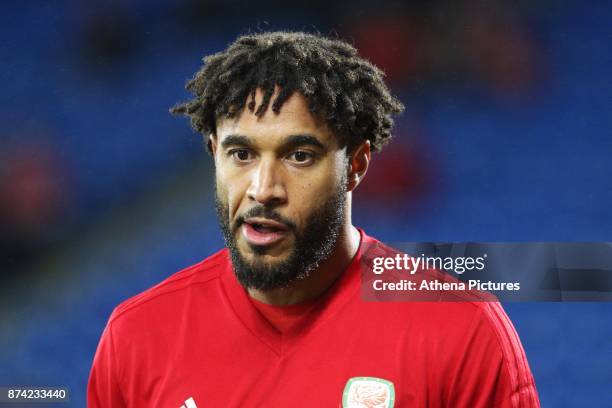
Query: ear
{"points": [[212, 144], [359, 161]]}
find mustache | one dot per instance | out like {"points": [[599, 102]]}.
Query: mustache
{"points": [[264, 212]]}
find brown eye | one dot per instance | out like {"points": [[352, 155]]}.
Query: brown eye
{"points": [[241, 155], [301, 158]]}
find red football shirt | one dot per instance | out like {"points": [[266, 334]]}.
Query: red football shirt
{"points": [[196, 340], [284, 317]]}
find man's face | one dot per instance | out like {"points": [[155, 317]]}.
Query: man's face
{"points": [[281, 192]]}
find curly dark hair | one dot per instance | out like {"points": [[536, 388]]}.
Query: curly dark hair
{"points": [[345, 89]]}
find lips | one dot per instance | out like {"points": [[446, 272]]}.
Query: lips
{"points": [[263, 231]]}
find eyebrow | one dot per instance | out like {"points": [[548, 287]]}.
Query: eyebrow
{"points": [[288, 142], [236, 140], [303, 140]]}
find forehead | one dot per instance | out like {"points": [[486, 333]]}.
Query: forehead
{"points": [[294, 118]]}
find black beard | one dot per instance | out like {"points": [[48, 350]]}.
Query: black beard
{"points": [[312, 246]]}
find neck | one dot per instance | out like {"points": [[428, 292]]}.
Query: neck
{"points": [[320, 279]]}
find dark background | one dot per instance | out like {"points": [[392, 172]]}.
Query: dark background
{"points": [[506, 137]]}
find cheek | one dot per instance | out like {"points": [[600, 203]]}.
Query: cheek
{"points": [[230, 192], [311, 193]]}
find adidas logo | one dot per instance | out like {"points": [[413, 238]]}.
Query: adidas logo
{"points": [[189, 403]]}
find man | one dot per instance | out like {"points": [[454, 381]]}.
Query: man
{"points": [[276, 319]]}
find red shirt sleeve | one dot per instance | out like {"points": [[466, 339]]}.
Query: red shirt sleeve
{"points": [[492, 371], [103, 389]]}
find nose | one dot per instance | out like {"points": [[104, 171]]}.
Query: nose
{"points": [[267, 187]]}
